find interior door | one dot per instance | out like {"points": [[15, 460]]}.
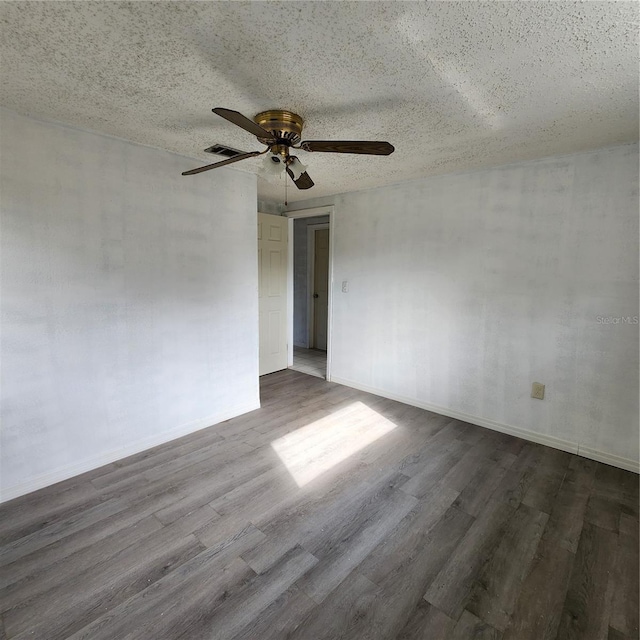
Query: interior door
{"points": [[272, 292], [321, 289]]}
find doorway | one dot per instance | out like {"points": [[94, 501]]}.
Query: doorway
{"points": [[318, 289], [310, 290]]}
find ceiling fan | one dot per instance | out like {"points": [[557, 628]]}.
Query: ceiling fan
{"points": [[281, 131]]}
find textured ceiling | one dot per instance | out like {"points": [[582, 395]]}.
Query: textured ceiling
{"points": [[453, 85]]}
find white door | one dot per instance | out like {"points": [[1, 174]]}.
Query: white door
{"points": [[272, 292]]}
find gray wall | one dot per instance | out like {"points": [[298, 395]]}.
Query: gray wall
{"points": [[464, 289], [273, 208], [300, 279], [129, 300]]}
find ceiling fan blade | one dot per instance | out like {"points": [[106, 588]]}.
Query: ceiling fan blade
{"points": [[303, 182], [242, 121], [222, 163], [348, 146]]}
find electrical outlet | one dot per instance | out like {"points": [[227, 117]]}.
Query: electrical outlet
{"points": [[537, 391], [345, 286]]}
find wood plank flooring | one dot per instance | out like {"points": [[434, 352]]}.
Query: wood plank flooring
{"points": [[327, 514]]}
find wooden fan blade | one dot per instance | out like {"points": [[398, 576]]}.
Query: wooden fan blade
{"points": [[222, 163], [303, 182], [242, 121], [348, 146]]}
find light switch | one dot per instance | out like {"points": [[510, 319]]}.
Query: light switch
{"points": [[537, 391], [345, 286]]}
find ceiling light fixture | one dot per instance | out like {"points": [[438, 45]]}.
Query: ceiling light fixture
{"points": [[296, 167], [273, 164]]}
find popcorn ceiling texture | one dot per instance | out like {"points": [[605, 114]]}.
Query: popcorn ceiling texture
{"points": [[453, 85]]}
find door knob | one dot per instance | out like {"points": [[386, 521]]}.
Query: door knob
{"points": [[315, 295]]}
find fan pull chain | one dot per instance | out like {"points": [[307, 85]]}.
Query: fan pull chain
{"points": [[285, 190]]}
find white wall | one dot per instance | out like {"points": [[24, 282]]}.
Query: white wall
{"points": [[129, 300], [466, 288]]}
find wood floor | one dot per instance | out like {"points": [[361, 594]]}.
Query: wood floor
{"points": [[329, 513]]}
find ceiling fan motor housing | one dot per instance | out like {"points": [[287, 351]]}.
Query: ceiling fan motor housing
{"points": [[286, 126]]}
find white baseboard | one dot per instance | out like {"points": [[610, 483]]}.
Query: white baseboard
{"points": [[89, 464], [550, 441], [609, 458]]}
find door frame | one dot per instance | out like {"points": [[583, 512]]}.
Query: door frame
{"points": [[311, 257], [310, 213]]}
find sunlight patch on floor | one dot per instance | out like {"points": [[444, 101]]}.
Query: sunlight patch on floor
{"points": [[310, 451]]}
